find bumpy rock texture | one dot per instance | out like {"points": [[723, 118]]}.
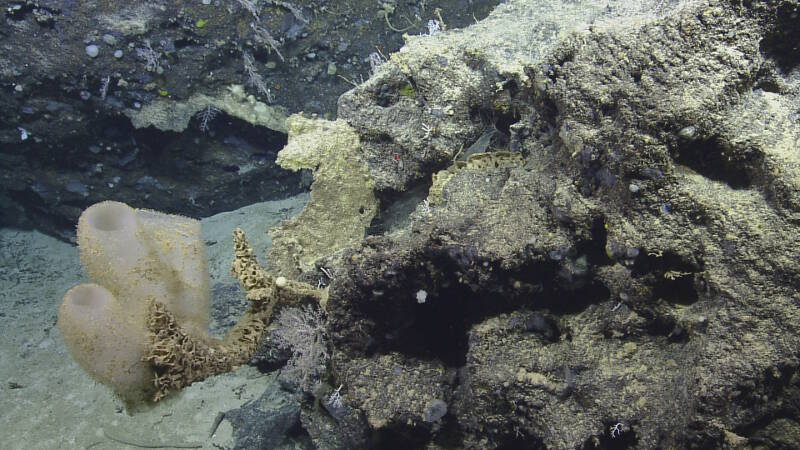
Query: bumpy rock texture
{"points": [[618, 271], [130, 123]]}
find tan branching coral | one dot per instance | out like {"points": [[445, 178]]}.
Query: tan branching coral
{"points": [[179, 359]]}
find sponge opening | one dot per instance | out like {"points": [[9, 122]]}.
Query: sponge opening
{"points": [[105, 343], [110, 216], [89, 296]]}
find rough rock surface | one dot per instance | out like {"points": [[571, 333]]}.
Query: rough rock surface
{"points": [[108, 100], [617, 272], [266, 422]]}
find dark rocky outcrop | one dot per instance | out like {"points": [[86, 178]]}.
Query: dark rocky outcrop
{"points": [[616, 270]]}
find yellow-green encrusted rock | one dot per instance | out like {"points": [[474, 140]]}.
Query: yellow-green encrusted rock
{"points": [[478, 161], [171, 115], [342, 202]]}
